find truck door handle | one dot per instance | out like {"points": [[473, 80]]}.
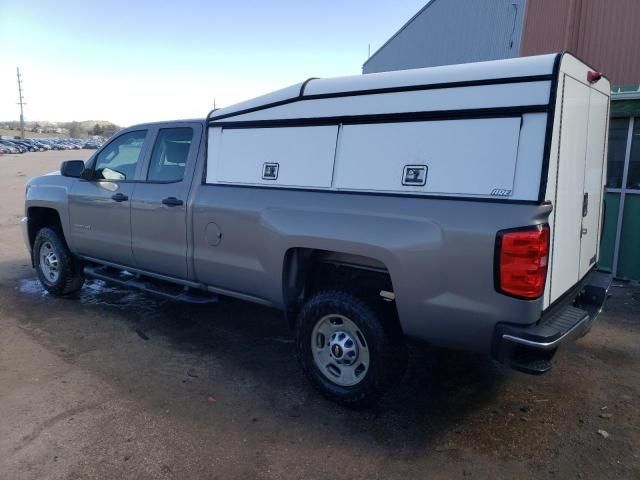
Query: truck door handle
{"points": [[119, 197], [172, 202]]}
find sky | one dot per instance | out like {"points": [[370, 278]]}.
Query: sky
{"points": [[140, 60]]}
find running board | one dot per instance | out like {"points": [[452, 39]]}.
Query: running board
{"points": [[157, 287]]}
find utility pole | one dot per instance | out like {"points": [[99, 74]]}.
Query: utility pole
{"points": [[20, 102]]}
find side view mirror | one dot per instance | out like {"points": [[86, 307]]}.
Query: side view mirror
{"points": [[88, 174], [72, 168]]}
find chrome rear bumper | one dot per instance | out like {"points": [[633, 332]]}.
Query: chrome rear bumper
{"points": [[530, 348]]}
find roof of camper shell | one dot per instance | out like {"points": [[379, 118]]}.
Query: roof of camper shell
{"points": [[541, 65]]}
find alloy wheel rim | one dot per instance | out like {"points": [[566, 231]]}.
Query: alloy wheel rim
{"points": [[340, 350], [49, 262]]}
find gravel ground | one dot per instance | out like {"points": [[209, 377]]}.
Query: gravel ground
{"points": [[120, 384]]}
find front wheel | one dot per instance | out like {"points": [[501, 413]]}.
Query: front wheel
{"points": [[58, 271], [347, 351]]}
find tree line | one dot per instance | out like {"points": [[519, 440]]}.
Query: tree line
{"points": [[78, 129], [74, 129]]}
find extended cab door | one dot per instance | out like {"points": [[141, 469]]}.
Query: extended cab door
{"points": [[159, 204], [99, 209]]}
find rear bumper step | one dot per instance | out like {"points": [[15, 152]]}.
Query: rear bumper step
{"points": [[530, 348]]}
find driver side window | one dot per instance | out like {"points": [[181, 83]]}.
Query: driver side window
{"points": [[119, 160]]}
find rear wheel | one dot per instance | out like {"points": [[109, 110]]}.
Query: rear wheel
{"points": [[58, 271], [347, 351]]}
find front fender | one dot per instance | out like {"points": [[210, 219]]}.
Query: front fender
{"points": [[50, 191]]}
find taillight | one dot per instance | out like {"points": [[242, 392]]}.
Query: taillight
{"points": [[593, 77], [522, 257]]}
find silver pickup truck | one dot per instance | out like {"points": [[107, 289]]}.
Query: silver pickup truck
{"points": [[458, 205]]}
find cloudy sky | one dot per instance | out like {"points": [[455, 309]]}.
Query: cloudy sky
{"points": [[138, 60]]}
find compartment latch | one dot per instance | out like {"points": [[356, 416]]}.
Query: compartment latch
{"points": [[585, 204]]}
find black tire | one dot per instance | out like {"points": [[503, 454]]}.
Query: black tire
{"points": [[385, 343], [70, 276]]}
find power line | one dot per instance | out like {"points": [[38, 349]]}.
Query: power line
{"points": [[20, 102]]}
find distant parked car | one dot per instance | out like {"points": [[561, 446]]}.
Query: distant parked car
{"points": [[28, 146], [54, 144], [17, 145], [35, 145], [9, 146]]}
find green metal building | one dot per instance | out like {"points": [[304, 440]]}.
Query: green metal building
{"points": [[620, 248]]}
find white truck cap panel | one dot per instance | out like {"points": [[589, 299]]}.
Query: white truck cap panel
{"points": [[460, 157], [296, 156]]}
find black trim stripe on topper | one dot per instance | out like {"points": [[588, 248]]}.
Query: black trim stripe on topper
{"points": [[495, 112], [432, 86], [546, 155], [304, 85], [416, 195]]}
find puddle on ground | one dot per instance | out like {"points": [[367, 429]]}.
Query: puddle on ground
{"points": [[97, 292], [31, 286]]}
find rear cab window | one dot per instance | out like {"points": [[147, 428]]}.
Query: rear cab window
{"points": [[170, 155]]}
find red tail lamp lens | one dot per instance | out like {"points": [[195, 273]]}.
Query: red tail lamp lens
{"points": [[523, 258], [593, 77]]}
